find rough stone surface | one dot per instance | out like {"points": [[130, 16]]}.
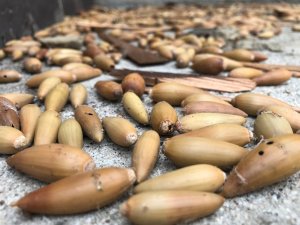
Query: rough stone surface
{"points": [[277, 204]]}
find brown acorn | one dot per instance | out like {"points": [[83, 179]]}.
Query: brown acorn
{"points": [[109, 90], [210, 66], [8, 114], [19, 99], [92, 50], [57, 97], [32, 65], [7, 76], [259, 57], [11, 140], [103, 62], [273, 77], [78, 95], [134, 82]]}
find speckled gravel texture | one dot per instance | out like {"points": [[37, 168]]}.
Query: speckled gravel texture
{"points": [[277, 204]]}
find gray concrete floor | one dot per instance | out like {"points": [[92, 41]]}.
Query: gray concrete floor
{"points": [[277, 204]]}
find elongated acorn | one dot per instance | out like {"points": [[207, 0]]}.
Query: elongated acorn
{"points": [[104, 62], [109, 90], [8, 114], [90, 122], [2, 54], [270, 162], [78, 95], [245, 72], [7, 76], [46, 86], [273, 77], [145, 154], [210, 66], [170, 207], [134, 82], [32, 65], [259, 57], [57, 97], [205, 96], [51, 162], [17, 55], [82, 71], [11, 140], [19, 99], [95, 189], [70, 133], [120, 131], [240, 55]]}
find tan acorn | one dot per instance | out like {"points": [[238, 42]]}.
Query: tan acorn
{"points": [[8, 114], [205, 96], [82, 71], [200, 177], [32, 65], [199, 120], [98, 188], [51, 162], [11, 140], [212, 50], [233, 133], [47, 128], [64, 75], [166, 51], [135, 107], [57, 97], [17, 55], [19, 99], [70, 133], [245, 72], [120, 131], [270, 162], [46, 86], [62, 58], [172, 93], [104, 62], [170, 207], [145, 154], [109, 90], [259, 57], [183, 60], [269, 124], [90, 122], [8, 76], [266, 34], [163, 118], [33, 51], [88, 60], [240, 55], [210, 66], [2, 54], [29, 115], [78, 95], [134, 82], [273, 77]]}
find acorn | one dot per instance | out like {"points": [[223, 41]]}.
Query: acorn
{"points": [[19, 99], [95, 189], [78, 95], [88, 60], [187, 150], [271, 161], [109, 90], [32, 65], [116, 56], [8, 76], [135, 107], [211, 49], [47, 128], [11, 140], [233, 133], [120, 131], [103, 62], [269, 124], [82, 71], [46, 86], [273, 77], [199, 120], [134, 82], [8, 114], [145, 154], [240, 55], [205, 96], [173, 93], [170, 207], [166, 51], [61, 58], [210, 66], [266, 34], [29, 115], [51, 162], [163, 118], [17, 55], [57, 97], [183, 60], [90, 122], [245, 72], [259, 57], [200, 177], [70, 133], [2, 54], [92, 50], [33, 51]]}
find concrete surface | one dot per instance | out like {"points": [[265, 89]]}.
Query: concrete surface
{"points": [[278, 204]]}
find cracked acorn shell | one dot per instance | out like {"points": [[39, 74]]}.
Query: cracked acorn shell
{"points": [[170, 207], [19, 99], [98, 188], [186, 151], [270, 162], [201, 177], [109, 90], [78, 95], [51, 162], [32, 65], [46, 86], [57, 97], [134, 82], [7, 76], [163, 118], [120, 131], [90, 122], [8, 114], [135, 107], [11, 140], [70, 133], [145, 153]]}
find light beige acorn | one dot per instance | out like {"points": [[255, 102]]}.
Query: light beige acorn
{"points": [[2, 54], [8, 113], [46, 86], [120, 131], [144, 155], [7, 76], [51, 162], [183, 60], [109, 90], [135, 107], [32, 65], [57, 97], [245, 72], [98, 188], [29, 115], [11, 140], [240, 55], [47, 128], [78, 95], [134, 82], [205, 96], [70, 133], [270, 162], [90, 122], [17, 55], [104, 62], [173, 93], [199, 120], [186, 151], [163, 118], [233, 133], [273, 77], [268, 124], [200, 177], [170, 207], [82, 71], [19, 99]]}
